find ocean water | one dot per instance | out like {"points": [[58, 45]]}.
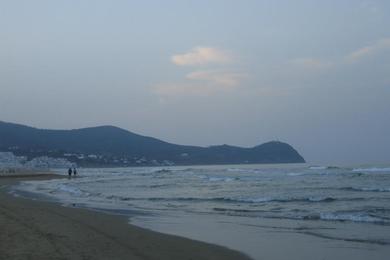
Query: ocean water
{"points": [[237, 206]]}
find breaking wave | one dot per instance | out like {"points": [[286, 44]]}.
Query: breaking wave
{"points": [[372, 169], [235, 200], [353, 216], [366, 189]]}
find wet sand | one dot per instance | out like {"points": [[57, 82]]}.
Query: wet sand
{"points": [[279, 239], [32, 229]]}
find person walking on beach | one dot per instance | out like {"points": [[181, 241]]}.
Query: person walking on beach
{"points": [[74, 171], [70, 172]]}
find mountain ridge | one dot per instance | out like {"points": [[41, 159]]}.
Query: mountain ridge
{"points": [[112, 145]]}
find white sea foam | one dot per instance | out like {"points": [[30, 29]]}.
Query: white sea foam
{"points": [[236, 170], [371, 189], [225, 179], [296, 173], [246, 170], [372, 169], [318, 167], [283, 200], [255, 200], [70, 189], [355, 217]]}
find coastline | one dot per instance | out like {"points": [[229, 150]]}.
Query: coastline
{"points": [[33, 229]]}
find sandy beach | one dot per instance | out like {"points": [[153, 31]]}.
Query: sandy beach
{"points": [[32, 229]]}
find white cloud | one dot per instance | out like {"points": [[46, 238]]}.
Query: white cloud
{"points": [[370, 7], [310, 63], [201, 56], [202, 83], [185, 89], [369, 50], [222, 78], [313, 64]]}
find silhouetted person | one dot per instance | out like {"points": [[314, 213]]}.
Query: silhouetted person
{"points": [[70, 172], [74, 171]]}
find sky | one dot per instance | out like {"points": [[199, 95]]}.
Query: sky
{"points": [[314, 74]]}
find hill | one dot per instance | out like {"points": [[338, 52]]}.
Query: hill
{"points": [[113, 146]]}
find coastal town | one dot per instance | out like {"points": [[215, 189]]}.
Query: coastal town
{"points": [[10, 160]]}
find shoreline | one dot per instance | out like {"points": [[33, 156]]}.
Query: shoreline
{"points": [[256, 238], [33, 229]]}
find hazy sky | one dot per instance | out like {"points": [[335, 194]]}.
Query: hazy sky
{"points": [[315, 74]]}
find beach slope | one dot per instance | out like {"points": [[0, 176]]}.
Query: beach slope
{"points": [[33, 229]]}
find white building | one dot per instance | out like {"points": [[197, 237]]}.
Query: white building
{"points": [[45, 162], [9, 161]]}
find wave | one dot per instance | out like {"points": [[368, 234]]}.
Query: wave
{"points": [[154, 186], [224, 179], [284, 200], [296, 174], [239, 170], [366, 241], [246, 170], [374, 215], [237, 210], [231, 200], [372, 169], [218, 178], [352, 216], [323, 167], [71, 190], [318, 167], [162, 171], [366, 189], [115, 197]]}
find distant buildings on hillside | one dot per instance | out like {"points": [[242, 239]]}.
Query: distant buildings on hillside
{"points": [[8, 161], [96, 160]]}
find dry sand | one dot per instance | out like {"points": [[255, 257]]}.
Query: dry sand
{"points": [[31, 229]]}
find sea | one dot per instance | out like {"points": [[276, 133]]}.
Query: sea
{"points": [[336, 210]]}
